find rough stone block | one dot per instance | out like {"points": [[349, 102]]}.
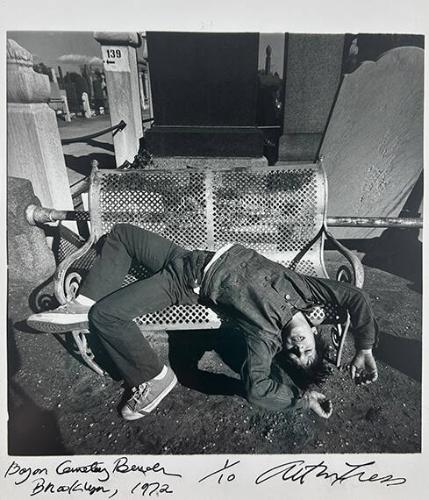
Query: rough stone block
{"points": [[31, 263]]}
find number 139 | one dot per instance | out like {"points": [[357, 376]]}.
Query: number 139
{"points": [[112, 53]]}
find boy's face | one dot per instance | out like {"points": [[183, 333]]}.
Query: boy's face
{"points": [[298, 341]]}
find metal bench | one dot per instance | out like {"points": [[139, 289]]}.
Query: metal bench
{"points": [[279, 211]]}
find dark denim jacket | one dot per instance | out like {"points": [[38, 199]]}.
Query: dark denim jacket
{"points": [[262, 297]]}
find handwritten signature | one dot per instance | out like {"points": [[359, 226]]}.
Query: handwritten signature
{"points": [[299, 471], [156, 480]]}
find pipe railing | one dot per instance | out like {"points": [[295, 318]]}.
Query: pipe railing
{"points": [[83, 138], [403, 222], [41, 215]]}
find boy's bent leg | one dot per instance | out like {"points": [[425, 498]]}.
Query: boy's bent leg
{"points": [[124, 243], [112, 319]]}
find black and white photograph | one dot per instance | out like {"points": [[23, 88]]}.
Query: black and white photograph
{"points": [[214, 251]]}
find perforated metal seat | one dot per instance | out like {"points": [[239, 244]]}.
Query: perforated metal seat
{"points": [[278, 211]]}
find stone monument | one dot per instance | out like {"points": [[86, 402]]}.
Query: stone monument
{"points": [[204, 91], [120, 67], [34, 149], [312, 76], [373, 147]]}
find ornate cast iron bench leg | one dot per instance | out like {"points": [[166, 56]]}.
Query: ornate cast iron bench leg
{"points": [[338, 335], [85, 351], [355, 276], [66, 287]]}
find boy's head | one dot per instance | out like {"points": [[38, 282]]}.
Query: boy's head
{"points": [[305, 351]]}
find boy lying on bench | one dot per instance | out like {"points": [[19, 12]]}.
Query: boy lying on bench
{"points": [[269, 302]]}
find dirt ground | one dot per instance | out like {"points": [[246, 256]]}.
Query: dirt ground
{"points": [[59, 406]]}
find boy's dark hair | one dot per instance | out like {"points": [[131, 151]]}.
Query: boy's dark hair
{"points": [[314, 374]]}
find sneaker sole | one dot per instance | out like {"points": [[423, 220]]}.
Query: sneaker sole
{"points": [[49, 327], [150, 407]]}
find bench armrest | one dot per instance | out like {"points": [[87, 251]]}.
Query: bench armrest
{"points": [[60, 281], [356, 265]]}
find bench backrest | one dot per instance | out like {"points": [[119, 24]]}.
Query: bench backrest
{"points": [[278, 211]]}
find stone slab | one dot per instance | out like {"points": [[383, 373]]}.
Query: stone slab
{"points": [[203, 79], [31, 263], [373, 147], [205, 141], [299, 147], [124, 104], [34, 149], [208, 82], [313, 72], [207, 162]]}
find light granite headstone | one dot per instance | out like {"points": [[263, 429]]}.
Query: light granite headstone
{"points": [[373, 147], [85, 105], [34, 148], [120, 66]]}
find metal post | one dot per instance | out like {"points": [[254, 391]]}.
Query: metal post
{"points": [[403, 222]]}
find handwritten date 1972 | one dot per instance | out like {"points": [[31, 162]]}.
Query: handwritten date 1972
{"points": [[148, 489]]}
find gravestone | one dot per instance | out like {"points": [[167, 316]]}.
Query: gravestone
{"points": [[313, 71], [34, 149], [119, 51], [30, 261], [85, 105], [204, 91], [373, 147]]}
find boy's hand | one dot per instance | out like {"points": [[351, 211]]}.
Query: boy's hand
{"points": [[363, 368], [319, 403]]}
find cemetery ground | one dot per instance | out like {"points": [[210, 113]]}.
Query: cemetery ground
{"points": [[57, 405]]}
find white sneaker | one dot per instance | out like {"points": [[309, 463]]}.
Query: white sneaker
{"points": [[147, 396], [70, 316]]}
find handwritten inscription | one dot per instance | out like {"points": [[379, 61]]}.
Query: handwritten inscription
{"points": [[219, 474], [299, 471], [96, 468], [151, 488], [22, 474], [97, 477], [123, 466], [41, 485], [99, 472]]}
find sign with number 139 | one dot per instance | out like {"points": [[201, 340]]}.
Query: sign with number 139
{"points": [[115, 58]]}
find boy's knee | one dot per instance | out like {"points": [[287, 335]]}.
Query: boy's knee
{"points": [[105, 313], [98, 314]]}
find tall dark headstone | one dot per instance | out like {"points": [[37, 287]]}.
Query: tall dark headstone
{"points": [[204, 91], [313, 72]]}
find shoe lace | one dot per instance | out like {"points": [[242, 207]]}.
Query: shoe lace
{"points": [[63, 307], [140, 393]]}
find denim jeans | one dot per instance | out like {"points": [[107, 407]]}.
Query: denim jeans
{"points": [[112, 315]]}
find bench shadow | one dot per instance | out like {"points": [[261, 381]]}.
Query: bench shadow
{"points": [[402, 354], [398, 252], [186, 348]]}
